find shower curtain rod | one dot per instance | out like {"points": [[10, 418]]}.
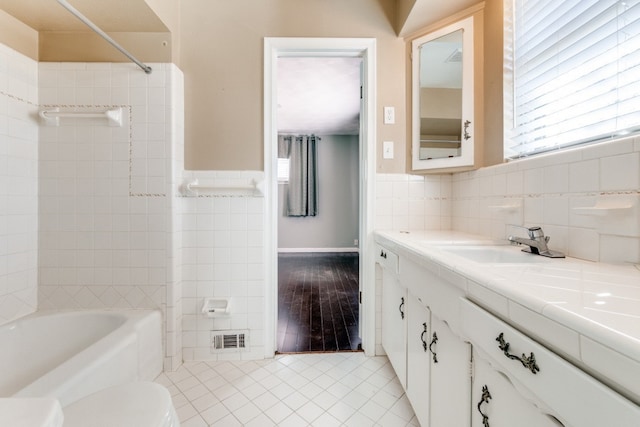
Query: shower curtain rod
{"points": [[102, 34]]}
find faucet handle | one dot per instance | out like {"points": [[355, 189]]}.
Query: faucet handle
{"points": [[535, 233]]}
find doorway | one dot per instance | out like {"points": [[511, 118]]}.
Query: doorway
{"points": [[318, 122], [297, 47]]}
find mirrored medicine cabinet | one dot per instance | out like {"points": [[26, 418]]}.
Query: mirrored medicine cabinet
{"points": [[443, 98]]}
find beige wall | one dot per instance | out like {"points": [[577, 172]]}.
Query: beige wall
{"points": [[222, 59], [169, 12], [18, 36], [70, 46], [493, 87]]}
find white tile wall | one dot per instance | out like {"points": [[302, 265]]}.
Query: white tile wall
{"points": [[411, 202], [18, 184], [586, 199], [559, 192], [174, 282], [223, 257], [106, 200]]}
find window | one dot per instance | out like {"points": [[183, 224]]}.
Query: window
{"points": [[283, 170], [573, 67]]}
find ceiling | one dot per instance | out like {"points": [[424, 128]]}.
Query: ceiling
{"points": [[109, 15], [319, 95]]}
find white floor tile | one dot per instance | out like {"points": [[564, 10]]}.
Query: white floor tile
{"points": [[359, 420], [295, 400], [260, 421], [247, 412], [320, 390], [214, 413], [204, 402], [265, 401], [326, 420], [196, 421], [310, 411], [278, 412]]}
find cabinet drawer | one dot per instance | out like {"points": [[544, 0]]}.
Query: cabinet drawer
{"points": [[387, 259], [575, 397]]}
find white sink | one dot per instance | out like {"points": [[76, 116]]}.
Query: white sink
{"points": [[495, 254]]}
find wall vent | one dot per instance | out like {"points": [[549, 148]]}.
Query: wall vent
{"points": [[229, 341], [455, 56]]}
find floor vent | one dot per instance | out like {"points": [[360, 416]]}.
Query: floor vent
{"points": [[229, 341]]}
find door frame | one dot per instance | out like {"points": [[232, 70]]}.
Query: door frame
{"points": [[275, 47]]}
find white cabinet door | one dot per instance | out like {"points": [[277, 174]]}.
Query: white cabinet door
{"points": [[450, 376], [394, 329], [497, 403], [418, 358]]}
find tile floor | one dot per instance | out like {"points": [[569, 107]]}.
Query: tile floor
{"points": [[322, 389]]}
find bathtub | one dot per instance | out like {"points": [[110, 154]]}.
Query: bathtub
{"points": [[69, 355]]}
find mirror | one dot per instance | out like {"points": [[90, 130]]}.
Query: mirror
{"points": [[443, 97]]}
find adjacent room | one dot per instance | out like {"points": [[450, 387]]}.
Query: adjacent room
{"points": [[318, 118]]}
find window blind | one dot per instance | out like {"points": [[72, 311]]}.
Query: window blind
{"points": [[576, 73]]}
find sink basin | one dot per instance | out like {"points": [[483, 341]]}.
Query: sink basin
{"points": [[495, 254]]}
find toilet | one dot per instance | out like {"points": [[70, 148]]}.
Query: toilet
{"points": [[137, 404]]}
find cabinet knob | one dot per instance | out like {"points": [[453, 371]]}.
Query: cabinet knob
{"points": [[467, 135], [528, 362], [424, 343], [484, 399], [434, 341]]}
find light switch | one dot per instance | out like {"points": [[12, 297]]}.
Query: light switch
{"points": [[389, 115], [387, 150]]}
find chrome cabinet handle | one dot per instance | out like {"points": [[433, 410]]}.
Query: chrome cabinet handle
{"points": [[484, 399], [424, 343], [528, 362], [466, 129], [401, 307], [434, 341]]}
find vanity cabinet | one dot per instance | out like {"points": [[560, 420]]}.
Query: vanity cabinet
{"points": [[460, 365], [438, 369], [499, 404], [450, 377], [431, 361], [394, 318], [541, 384], [419, 358]]}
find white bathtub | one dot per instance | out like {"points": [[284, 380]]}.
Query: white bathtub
{"points": [[69, 355]]}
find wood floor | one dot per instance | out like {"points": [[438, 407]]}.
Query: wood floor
{"points": [[318, 302]]}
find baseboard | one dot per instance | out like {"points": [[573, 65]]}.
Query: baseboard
{"points": [[310, 250]]}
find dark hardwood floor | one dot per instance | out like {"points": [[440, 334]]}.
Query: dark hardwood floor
{"points": [[318, 302]]}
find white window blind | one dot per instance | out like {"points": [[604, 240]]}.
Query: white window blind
{"points": [[576, 66]]}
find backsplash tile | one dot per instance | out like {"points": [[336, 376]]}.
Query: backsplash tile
{"points": [[411, 202], [586, 199], [574, 195]]}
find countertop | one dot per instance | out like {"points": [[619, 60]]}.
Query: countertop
{"points": [[586, 311]]}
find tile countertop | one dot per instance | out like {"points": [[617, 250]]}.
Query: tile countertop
{"points": [[588, 312]]}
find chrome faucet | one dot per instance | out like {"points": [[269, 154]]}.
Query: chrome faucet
{"points": [[537, 243]]}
